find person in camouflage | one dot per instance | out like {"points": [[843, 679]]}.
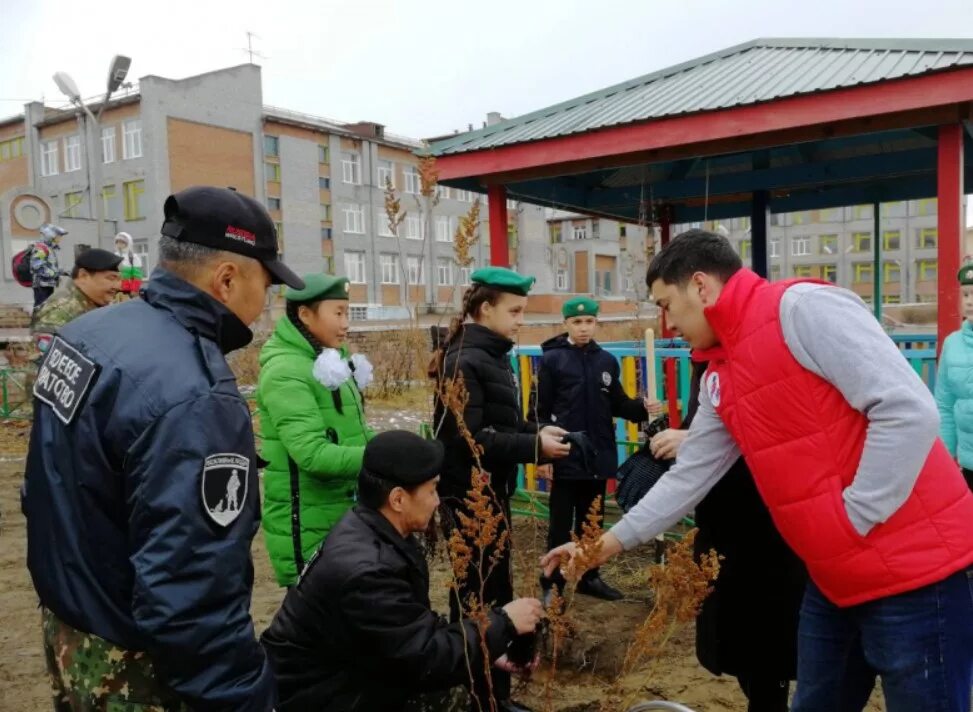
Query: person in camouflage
{"points": [[94, 282], [44, 269], [90, 674]]}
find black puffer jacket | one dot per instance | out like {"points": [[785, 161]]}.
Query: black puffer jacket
{"points": [[578, 389], [357, 634], [748, 625], [493, 413]]}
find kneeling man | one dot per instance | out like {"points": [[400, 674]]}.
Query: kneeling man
{"points": [[357, 631]]}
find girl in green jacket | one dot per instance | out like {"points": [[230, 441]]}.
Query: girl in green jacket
{"points": [[312, 422]]}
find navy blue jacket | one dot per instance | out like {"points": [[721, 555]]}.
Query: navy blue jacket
{"points": [[578, 389], [142, 508]]}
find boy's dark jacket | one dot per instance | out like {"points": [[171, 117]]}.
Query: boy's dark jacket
{"points": [[578, 389]]}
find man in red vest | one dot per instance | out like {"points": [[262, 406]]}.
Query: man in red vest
{"points": [[842, 439]]}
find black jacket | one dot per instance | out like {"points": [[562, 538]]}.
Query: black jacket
{"points": [[493, 414], [748, 625], [356, 634], [142, 508], [578, 389]]}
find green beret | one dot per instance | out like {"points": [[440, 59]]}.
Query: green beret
{"points": [[579, 306], [966, 275], [403, 458], [97, 260], [506, 280], [320, 286]]}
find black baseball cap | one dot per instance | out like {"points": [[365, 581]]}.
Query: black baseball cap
{"points": [[224, 219]]}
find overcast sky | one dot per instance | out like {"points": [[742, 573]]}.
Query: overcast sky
{"points": [[423, 67]]}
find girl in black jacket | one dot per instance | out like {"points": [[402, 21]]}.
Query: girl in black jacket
{"points": [[478, 350]]}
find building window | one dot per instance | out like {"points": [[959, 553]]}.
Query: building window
{"points": [[72, 153], [325, 233], [415, 229], [464, 275], [828, 244], [891, 240], [351, 168], [929, 206], [414, 266], [830, 215], [861, 212], [132, 139], [11, 148], [390, 269], [830, 273], [140, 246], [279, 227], [49, 158], [800, 246], [774, 248], [382, 221], [358, 312], [354, 219], [108, 144], [861, 241], [413, 183], [774, 272], [555, 230], [271, 146], [891, 299], [133, 199], [444, 271], [355, 267], [562, 280], [512, 205], [273, 172], [622, 231], [580, 232], [324, 154], [386, 174], [443, 192], [891, 272], [324, 183], [443, 233], [745, 249], [72, 201], [273, 203], [800, 218], [928, 270], [108, 202], [927, 238], [325, 212], [802, 271], [863, 273]]}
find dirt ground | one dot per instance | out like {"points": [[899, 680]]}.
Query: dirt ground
{"points": [[603, 629]]}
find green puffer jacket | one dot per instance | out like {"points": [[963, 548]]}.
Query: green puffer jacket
{"points": [[314, 451]]}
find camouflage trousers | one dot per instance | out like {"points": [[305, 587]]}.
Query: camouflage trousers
{"points": [[89, 674], [456, 699]]}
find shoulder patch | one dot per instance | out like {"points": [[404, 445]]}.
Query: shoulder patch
{"points": [[223, 486], [63, 380], [606, 378]]}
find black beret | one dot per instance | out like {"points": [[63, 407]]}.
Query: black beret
{"points": [[403, 457], [98, 260]]}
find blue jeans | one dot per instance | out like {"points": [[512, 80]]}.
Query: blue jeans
{"points": [[919, 643]]}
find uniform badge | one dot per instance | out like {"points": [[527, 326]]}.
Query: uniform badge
{"points": [[713, 387], [606, 378], [224, 486], [63, 380]]}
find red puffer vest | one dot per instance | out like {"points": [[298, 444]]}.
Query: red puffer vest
{"points": [[803, 443]]}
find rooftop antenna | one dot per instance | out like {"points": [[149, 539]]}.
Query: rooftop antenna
{"points": [[251, 52]]}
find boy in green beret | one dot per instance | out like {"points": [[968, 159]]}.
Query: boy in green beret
{"points": [[579, 390]]}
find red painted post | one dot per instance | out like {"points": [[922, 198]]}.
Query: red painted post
{"points": [[950, 209], [499, 249], [672, 388]]}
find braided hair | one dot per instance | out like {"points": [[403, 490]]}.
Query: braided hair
{"points": [[473, 299], [291, 312]]}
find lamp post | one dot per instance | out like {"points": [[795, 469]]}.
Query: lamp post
{"points": [[67, 86]]}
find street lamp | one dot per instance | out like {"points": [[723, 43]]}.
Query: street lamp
{"points": [[117, 72]]}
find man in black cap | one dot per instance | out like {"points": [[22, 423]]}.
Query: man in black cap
{"points": [[94, 282], [357, 632], [141, 491]]}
